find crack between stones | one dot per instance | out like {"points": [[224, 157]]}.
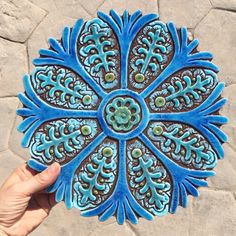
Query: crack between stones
{"points": [[224, 9], [133, 229], [11, 40], [211, 3], [11, 131], [36, 26], [194, 28], [190, 216], [22, 42], [4, 150], [158, 8], [27, 55], [38, 6], [229, 190], [234, 195], [221, 8], [86, 11], [96, 10], [15, 154], [100, 5], [9, 96], [231, 83], [232, 147], [26, 43]]}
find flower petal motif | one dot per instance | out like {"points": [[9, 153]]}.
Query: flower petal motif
{"points": [[129, 108]]}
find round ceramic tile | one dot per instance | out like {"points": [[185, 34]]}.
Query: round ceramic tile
{"points": [[129, 108]]}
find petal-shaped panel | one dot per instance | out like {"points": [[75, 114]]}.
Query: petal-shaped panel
{"points": [[98, 51], [61, 140], [183, 91], [95, 178], [150, 54], [149, 181], [61, 87], [183, 144]]}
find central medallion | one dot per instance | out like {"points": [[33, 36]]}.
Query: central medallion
{"points": [[123, 113]]}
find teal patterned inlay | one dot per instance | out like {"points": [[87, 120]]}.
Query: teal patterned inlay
{"points": [[62, 139], [95, 179], [151, 53], [60, 86], [184, 145], [184, 89], [148, 179], [99, 52], [123, 113]]}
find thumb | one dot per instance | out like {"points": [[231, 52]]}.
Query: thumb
{"points": [[42, 180]]}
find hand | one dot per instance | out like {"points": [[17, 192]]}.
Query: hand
{"points": [[23, 204]]}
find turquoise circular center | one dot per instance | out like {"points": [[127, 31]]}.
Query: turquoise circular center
{"points": [[123, 113]]}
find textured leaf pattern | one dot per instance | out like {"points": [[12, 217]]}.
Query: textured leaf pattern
{"points": [[96, 176], [61, 140], [62, 87], [184, 90], [150, 54], [183, 144], [99, 52], [130, 109], [149, 180]]}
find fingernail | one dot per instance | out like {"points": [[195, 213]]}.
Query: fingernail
{"points": [[52, 168]]}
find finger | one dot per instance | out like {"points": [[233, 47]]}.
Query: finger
{"points": [[51, 200], [45, 201], [40, 181], [21, 173]]}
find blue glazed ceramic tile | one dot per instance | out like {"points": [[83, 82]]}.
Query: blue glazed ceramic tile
{"points": [[129, 108]]}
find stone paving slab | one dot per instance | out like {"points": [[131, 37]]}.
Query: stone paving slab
{"points": [[25, 26]]}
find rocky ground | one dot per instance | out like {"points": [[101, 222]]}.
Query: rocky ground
{"points": [[25, 26]]}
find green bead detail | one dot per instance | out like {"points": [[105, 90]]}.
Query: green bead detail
{"points": [[86, 130], [107, 152], [157, 130], [123, 113], [139, 78], [87, 99], [160, 101], [109, 77], [136, 152]]}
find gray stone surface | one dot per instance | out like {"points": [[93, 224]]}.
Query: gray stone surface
{"points": [[15, 138], [47, 5], [224, 4], [169, 225], [73, 9], [51, 26], [63, 222], [217, 33], [132, 5], [184, 12], [213, 214], [13, 55], [229, 111], [9, 161], [91, 6], [225, 177], [8, 113], [18, 19], [33, 21]]}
